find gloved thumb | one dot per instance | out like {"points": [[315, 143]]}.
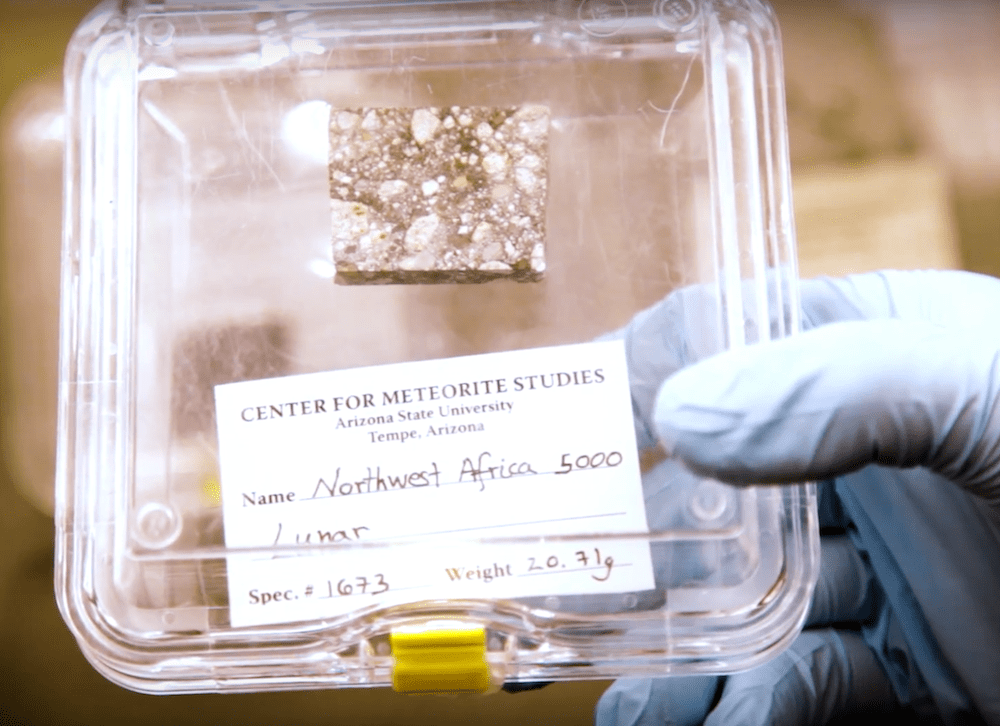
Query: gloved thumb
{"points": [[832, 400]]}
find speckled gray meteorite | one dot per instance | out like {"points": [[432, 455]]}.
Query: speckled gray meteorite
{"points": [[438, 194]]}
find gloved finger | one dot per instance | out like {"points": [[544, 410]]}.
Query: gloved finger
{"points": [[846, 591], [952, 298], [684, 327], [676, 701], [659, 341], [824, 674], [837, 398]]}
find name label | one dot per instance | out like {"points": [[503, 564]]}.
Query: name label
{"points": [[487, 476]]}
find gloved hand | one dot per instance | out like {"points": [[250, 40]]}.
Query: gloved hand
{"points": [[896, 370]]}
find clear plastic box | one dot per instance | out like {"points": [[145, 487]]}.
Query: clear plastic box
{"points": [[202, 248]]}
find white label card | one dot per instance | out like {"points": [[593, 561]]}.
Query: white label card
{"points": [[393, 484]]}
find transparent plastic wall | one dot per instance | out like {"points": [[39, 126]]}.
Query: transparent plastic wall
{"points": [[198, 252]]}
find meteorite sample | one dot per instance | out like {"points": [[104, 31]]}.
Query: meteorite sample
{"points": [[426, 195]]}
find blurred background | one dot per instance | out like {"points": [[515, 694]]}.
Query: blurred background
{"points": [[894, 122]]}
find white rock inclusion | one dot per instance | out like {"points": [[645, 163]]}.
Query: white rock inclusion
{"points": [[495, 165], [532, 122], [419, 235], [424, 125], [349, 221], [392, 188], [347, 120], [418, 240]]}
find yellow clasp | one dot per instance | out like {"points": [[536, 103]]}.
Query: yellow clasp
{"points": [[451, 660]]}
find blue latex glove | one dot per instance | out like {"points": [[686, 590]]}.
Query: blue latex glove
{"points": [[897, 370]]}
